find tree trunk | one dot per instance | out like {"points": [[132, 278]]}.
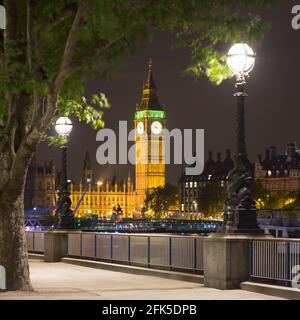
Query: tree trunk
{"points": [[20, 135], [13, 246]]}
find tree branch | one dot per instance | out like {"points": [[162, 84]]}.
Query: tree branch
{"points": [[41, 124], [70, 46], [98, 52], [31, 39], [41, 117], [65, 14]]}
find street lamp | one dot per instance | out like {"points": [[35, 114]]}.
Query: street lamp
{"points": [[240, 210], [63, 127], [240, 59]]}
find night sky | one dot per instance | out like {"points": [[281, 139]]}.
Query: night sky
{"points": [[272, 108]]}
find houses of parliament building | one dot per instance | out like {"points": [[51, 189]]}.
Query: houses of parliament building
{"points": [[94, 196]]}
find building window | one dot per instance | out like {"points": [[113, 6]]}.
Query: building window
{"points": [[195, 184], [191, 184]]}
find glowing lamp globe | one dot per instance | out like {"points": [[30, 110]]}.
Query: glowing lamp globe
{"points": [[240, 59], [63, 126]]}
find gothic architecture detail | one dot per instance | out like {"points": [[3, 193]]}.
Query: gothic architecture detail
{"points": [[40, 186], [98, 196], [149, 122]]}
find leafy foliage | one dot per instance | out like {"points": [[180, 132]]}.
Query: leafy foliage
{"points": [[89, 112], [274, 200], [214, 27], [211, 199], [161, 199], [213, 195], [113, 29], [59, 42], [57, 140]]}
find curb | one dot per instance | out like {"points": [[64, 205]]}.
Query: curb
{"points": [[127, 269], [35, 256], [136, 270], [271, 290]]}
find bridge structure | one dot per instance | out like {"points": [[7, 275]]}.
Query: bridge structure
{"points": [[281, 223], [38, 219]]}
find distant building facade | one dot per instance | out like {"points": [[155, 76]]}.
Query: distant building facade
{"points": [[279, 173], [92, 195], [102, 196], [95, 196], [40, 185], [190, 186]]}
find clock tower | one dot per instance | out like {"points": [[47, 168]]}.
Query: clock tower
{"points": [[149, 122]]}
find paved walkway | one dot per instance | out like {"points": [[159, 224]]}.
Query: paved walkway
{"points": [[66, 281]]}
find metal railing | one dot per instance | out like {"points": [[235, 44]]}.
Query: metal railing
{"points": [[154, 251], [279, 217], [35, 241], [169, 252], [275, 262]]}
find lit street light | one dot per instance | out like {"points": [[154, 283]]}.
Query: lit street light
{"points": [[240, 210], [64, 214]]}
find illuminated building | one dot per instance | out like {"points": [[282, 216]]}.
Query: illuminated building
{"points": [[94, 195], [102, 195], [279, 173], [149, 121]]}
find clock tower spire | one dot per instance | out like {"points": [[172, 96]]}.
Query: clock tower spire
{"points": [[149, 96], [149, 121]]}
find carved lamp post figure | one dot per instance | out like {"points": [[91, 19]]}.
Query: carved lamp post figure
{"points": [[240, 210], [64, 214]]}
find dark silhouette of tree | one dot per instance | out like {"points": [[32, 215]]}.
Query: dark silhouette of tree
{"points": [[160, 200]]}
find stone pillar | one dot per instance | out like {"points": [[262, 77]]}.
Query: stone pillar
{"points": [[227, 259], [55, 245]]}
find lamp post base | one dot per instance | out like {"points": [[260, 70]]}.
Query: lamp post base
{"points": [[241, 221], [66, 222]]}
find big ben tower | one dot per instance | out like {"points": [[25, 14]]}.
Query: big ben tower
{"points": [[149, 122]]}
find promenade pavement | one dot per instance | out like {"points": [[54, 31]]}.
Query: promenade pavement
{"points": [[60, 281]]}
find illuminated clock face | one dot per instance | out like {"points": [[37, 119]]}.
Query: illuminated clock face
{"points": [[156, 127], [140, 128]]}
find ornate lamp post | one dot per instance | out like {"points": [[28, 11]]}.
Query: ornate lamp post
{"points": [[240, 210], [65, 217]]}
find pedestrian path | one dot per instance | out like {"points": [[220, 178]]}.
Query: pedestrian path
{"points": [[66, 281]]}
